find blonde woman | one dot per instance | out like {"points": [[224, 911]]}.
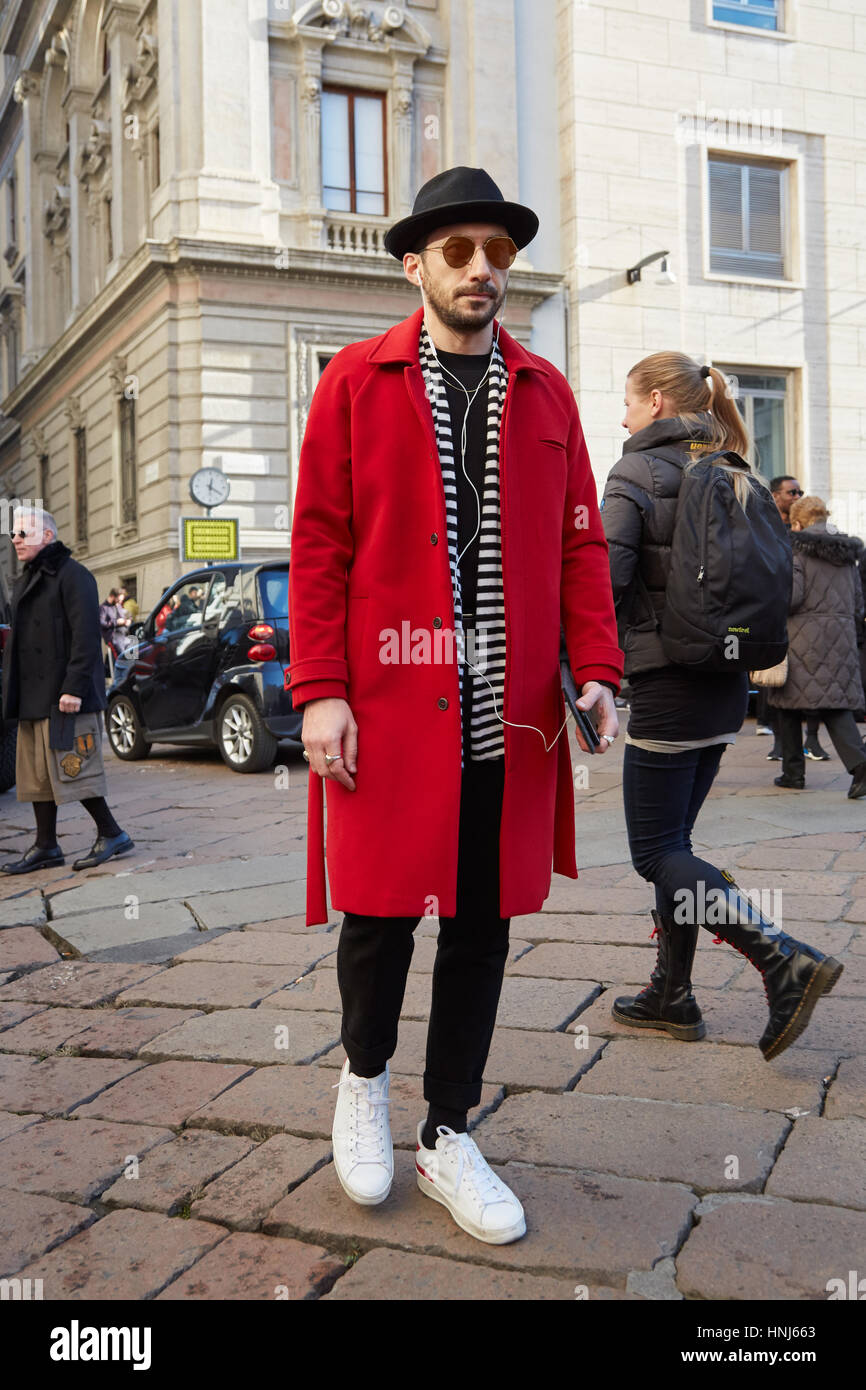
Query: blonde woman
{"points": [[824, 631], [682, 718]]}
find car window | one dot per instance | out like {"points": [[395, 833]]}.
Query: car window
{"points": [[274, 589], [225, 602], [184, 608]]}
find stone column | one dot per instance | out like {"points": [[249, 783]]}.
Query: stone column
{"points": [[35, 338], [126, 213], [401, 179], [78, 110]]}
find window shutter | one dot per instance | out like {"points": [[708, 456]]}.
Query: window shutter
{"points": [[746, 220]]}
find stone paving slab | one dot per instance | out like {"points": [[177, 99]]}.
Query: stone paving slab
{"points": [[261, 1036], [13, 1014], [519, 1059], [758, 1249], [211, 986], [26, 910], [92, 1031], [386, 1275], [165, 1093], [168, 1177], [740, 1017], [848, 1090], [773, 855], [23, 948], [591, 1228], [96, 1263], [809, 907], [59, 1084], [615, 929], [857, 911], [77, 983], [567, 896], [11, 1124], [236, 908], [74, 1160], [424, 953], [258, 1267], [243, 1195], [712, 969], [301, 1100], [163, 885], [33, 1224], [614, 1134], [110, 927], [263, 948], [823, 1161], [295, 924], [709, 1074]]}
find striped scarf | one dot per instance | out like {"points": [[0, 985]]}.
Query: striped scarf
{"points": [[485, 649]]}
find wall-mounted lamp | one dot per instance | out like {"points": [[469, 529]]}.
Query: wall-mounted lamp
{"points": [[633, 274]]}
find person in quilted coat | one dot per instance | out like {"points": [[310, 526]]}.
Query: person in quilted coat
{"points": [[825, 630]]}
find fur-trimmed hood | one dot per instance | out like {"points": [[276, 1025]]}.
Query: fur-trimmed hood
{"points": [[821, 544]]}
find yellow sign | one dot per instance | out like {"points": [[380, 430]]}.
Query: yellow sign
{"points": [[210, 538]]}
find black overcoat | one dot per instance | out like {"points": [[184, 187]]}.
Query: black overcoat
{"points": [[55, 646]]}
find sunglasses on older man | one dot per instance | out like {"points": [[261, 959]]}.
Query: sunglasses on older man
{"points": [[460, 251]]}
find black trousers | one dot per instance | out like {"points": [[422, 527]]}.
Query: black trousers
{"points": [[844, 736], [374, 953]]}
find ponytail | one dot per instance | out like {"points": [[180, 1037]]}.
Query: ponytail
{"points": [[703, 400]]}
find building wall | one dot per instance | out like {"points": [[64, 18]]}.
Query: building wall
{"points": [[636, 73]]}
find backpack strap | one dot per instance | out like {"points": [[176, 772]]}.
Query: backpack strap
{"points": [[728, 454]]}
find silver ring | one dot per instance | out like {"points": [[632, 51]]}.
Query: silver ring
{"points": [[306, 756], [332, 757], [609, 737]]}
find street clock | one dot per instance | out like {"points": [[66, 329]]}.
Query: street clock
{"points": [[209, 487]]}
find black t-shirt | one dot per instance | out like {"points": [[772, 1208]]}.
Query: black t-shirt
{"points": [[469, 369], [674, 703]]}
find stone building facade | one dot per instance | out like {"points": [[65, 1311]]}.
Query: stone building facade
{"points": [[175, 274], [193, 195]]}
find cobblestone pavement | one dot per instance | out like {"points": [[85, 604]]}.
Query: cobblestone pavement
{"points": [[169, 1043]]}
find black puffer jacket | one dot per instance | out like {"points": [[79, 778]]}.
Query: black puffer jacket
{"points": [[638, 511], [826, 623]]}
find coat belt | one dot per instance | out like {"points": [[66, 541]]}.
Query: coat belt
{"points": [[317, 902]]}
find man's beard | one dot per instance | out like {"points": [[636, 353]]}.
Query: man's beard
{"points": [[461, 318]]}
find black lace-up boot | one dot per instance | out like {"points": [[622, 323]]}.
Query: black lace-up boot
{"points": [[667, 1001], [795, 975]]}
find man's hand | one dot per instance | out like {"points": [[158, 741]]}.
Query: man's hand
{"points": [[607, 722], [330, 728], [69, 704]]}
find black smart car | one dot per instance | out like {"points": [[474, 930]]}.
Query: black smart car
{"points": [[209, 667]]}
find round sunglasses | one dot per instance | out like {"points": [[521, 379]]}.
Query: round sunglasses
{"points": [[459, 251]]}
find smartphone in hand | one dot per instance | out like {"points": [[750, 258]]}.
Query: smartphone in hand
{"points": [[582, 719]]}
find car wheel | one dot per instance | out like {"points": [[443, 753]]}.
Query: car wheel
{"points": [[244, 742], [125, 733], [8, 742]]}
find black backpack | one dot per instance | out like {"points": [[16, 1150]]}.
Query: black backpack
{"points": [[729, 586]]}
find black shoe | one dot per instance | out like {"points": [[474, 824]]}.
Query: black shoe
{"points": [[858, 783], [796, 784], [35, 858], [105, 847], [813, 750], [775, 754], [667, 1001], [795, 975]]}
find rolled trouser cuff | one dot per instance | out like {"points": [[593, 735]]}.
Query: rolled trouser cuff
{"points": [[369, 1059], [452, 1095]]}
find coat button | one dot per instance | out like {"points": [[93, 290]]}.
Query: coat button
{"points": [[437, 622], [442, 702], [434, 539]]}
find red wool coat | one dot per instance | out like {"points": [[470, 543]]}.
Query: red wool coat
{"points": [[369, 554]]}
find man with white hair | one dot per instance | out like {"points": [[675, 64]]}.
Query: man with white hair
{"points": [[53, 684]]}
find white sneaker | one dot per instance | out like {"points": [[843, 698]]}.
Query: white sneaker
{"points": [[457, 1174], [363, 1152]]}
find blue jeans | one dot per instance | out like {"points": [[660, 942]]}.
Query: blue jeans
{"points": [[663, 793]]}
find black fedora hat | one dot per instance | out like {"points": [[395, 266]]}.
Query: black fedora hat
{"points": [[460, 195]]}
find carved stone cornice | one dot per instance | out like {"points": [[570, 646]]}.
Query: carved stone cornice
{"points": [[37, 439], [57, 56], [140, 76], [27, 85], [358, 23], [93, 157], [117, 374], [55, 214], [73, 412]]}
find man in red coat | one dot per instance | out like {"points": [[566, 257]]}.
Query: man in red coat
{"points": [[446, 524]]}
